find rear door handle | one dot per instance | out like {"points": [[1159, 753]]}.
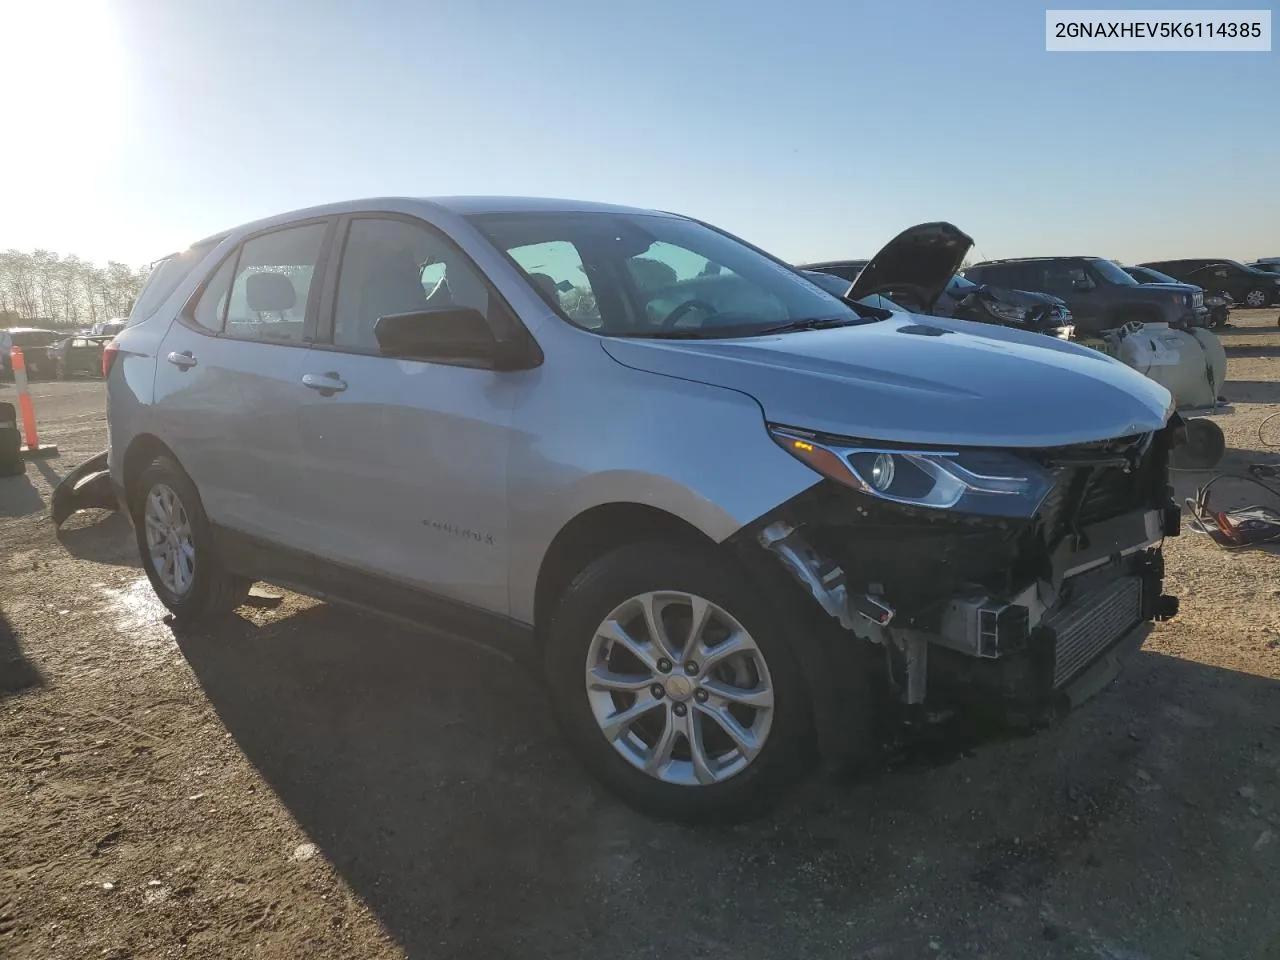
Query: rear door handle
{"points": [[327, 383], [183, 360]]}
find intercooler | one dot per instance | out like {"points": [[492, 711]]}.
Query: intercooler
{"points": [[1090, 624]]}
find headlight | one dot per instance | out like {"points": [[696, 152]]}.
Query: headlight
{"points": [[1007, 311], [989, 482], [1214, 301]]}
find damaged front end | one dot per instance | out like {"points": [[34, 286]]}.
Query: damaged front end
{"points": [[1014, 580]]}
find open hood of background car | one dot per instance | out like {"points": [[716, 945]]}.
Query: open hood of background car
{"points": [[915, 266]]}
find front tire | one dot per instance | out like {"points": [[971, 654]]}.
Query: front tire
{"points": [[175, 542], [1256, 298], [676, 686]]}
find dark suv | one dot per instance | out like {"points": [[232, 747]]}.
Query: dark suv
{"points": [[1248, 286], [1099, 294]]}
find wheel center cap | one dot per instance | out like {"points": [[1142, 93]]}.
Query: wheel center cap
{"points": [[679, 687]]}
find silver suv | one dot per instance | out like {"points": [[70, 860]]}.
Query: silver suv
{"points": [[728, 515]]}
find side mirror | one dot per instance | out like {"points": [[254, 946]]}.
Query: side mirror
{"points": [[449, 333]]}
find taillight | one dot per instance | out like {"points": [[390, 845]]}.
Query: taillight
{"points": [[108, 358]]}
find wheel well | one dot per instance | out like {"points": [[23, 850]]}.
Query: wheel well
{"points": [[592, 534], [144, 448]]}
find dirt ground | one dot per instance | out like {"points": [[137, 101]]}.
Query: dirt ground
{"points": [[307, 782]]}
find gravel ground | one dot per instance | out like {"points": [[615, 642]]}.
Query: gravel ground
{"points": [[307, 782]]}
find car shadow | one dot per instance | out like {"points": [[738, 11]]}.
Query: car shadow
{"points": [[17, 673], [1242, 350], [1252, 391], [103, 536], [19, 497], [432, 777]]}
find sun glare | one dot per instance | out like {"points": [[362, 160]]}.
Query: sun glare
{"points": [[63, 71]]}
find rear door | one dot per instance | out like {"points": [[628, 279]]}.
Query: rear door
{"points": [[406, 460], [227, 386]]}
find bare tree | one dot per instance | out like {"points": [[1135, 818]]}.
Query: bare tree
{"points": [[42, 286]]}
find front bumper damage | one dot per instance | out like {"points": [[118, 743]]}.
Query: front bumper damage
{"points": [[1025, 617]]}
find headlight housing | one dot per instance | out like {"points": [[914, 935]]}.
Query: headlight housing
{"points": [[993, 483], [1009, 312]]}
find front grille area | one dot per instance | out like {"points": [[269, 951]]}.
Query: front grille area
{"points": [[1091, 623], [1085, 494]]}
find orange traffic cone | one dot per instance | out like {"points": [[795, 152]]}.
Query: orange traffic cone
{"points": [[32, 448]]}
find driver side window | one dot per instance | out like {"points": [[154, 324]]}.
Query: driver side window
{"points": [[1065, 279], [556, 269], [394, 266]]}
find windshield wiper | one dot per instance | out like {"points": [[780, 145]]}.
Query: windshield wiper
{"points": [[814, 323]]}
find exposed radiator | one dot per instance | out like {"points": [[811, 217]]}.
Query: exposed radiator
{"points": [[1092, 623]]}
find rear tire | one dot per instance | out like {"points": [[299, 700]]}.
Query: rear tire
{"points": [[1257, 298], [175, 542], [724, 760]]}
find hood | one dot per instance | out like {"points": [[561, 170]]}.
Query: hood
{"points": [[920, 380], [1173, 287], [924, 257]]}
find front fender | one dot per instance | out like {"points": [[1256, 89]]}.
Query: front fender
{"points": [[607, 434]]}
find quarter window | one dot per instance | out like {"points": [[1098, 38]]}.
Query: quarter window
{"points": [[393, 266], [272, 284], [211, 308]]}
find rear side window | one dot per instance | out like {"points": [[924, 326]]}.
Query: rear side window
{"points": [[270, 287], [164, 278]]}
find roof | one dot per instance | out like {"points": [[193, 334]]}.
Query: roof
{"points": [[988, 263], [461, 206]]}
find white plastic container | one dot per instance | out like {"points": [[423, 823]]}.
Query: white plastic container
{"points": [[1191, 365]]}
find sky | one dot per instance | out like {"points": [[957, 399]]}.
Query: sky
{"points": [[817, 129]]}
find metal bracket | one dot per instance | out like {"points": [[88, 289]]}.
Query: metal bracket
{"points": [[862, 614]]}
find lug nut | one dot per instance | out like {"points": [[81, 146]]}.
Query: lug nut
{"points": [[700, 696], [691, 668], [664, 665], [657, 690], [679, 709]]}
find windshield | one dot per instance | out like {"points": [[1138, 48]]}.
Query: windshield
{"points": [[641, 275], [1147, 275], [959, 286], [1113, 273]]}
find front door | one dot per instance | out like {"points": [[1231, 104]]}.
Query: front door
{"points": [[406, 460]]}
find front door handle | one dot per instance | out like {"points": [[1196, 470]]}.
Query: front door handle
{"points": [[183, 360], [327, 383]]}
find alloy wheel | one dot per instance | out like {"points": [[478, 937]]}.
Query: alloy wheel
{"points": [[679, 688], [170, 545], [1256, 298]]}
